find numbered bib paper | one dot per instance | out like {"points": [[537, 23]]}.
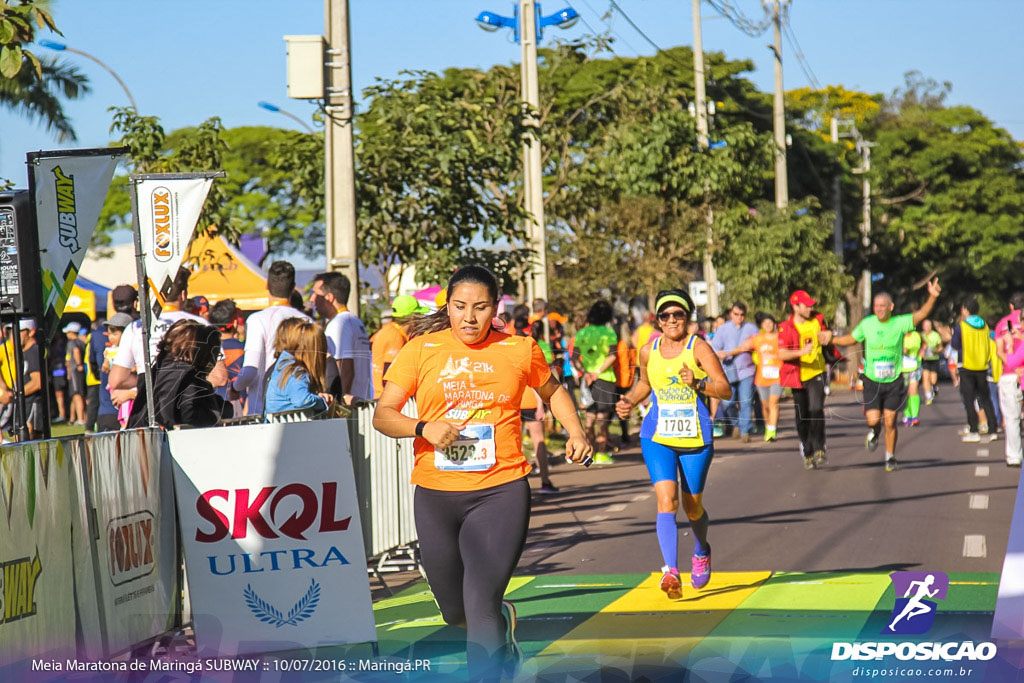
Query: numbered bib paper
{"points": [[677, 421], [473, 451], [885, 369], [770, 372]]}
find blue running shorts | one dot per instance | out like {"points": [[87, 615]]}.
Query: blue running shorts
{"points": [[664, 462]]}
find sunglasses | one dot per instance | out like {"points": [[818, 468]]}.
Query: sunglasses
{"points": [[672, 315]]}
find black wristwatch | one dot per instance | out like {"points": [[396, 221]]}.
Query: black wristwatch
{"points": [[702, 385], [419, 427]]}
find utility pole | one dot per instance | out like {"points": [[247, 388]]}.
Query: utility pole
{"points": [[533, 188], [837, 203], [339, 172], [865, 220], [701, 112], [779, 116]]}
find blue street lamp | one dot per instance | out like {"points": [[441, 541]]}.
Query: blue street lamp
{"points": [[277, 110], [563, 18], [61, 47]]}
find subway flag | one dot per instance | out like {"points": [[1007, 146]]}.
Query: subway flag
{"points": [[69, 189]]}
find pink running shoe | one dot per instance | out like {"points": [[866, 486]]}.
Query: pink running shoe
{"points": [[670, 583], [701, 572]]}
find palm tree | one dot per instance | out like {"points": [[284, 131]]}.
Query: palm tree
{"points": [[41, 99]]}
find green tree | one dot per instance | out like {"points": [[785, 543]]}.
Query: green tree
{"points": [[434, 155], [767, 253], [948, 196], [31, 86]]}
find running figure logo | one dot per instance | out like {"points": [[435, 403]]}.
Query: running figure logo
{"points": [[914, 613], [453, 368]]}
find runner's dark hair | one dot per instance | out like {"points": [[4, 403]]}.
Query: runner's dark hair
{"points": [[600, 313], [439, 320]]}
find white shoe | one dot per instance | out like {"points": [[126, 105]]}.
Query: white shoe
{"points": [[971, 437], [993, 437], [964, 430]]}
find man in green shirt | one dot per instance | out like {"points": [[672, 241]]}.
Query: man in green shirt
{"points": [[884, 389], [594, 357]]}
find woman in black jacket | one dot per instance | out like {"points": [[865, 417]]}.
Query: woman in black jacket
{"points": [[183, 395]]}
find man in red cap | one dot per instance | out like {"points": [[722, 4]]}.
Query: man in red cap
{"points": [[801, 337]]}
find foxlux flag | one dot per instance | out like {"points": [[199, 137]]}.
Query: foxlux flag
{"points": [[70, 188], [168, 209]]}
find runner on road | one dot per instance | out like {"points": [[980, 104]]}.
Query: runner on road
{"points": [[931, 349], [683, 371], [594, 357], [472, 500], [912, 373], [971, 343], [885, 392], [801, 338]]}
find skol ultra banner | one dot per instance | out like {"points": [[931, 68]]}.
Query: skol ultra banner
{"points": [[70, 188], [37, 601], [273, 544], [168, 209], [134, 577]]}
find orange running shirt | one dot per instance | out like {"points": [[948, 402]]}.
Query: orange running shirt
{"points": [[478, 385], [384, 348], [766, 348]]}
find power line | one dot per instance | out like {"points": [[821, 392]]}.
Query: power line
{"points": [[739, 20], [632, 23], [608, 26], [790, 34]]}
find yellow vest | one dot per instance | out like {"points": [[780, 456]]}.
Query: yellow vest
{"points": [[974, 347]]}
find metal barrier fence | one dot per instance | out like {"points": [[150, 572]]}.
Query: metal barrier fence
{"points": [[383, 467]]}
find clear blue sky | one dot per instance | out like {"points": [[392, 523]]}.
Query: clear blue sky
{"points": [[187, 60]]}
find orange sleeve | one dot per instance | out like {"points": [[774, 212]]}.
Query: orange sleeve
{"points": [[539, 371], [404, 371]]}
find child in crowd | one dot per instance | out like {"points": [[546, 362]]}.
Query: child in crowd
{"points": [[296, 380]]}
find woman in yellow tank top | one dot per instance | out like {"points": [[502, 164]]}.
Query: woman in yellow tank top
{"points": [[680, 372]]}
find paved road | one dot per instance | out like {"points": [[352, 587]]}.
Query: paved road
{"points": [[948, 508]]}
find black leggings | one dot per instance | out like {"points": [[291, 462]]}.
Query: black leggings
{"points": [[810, 414], [470, 543], [974, 387]]}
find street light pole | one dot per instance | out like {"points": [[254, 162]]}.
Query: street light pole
{"points": [[701, 112], [339, 173], [277, 110], [537, 285], [61, 47]]}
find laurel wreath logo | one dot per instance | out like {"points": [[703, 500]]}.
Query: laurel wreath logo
{"points": [[269, 614]]}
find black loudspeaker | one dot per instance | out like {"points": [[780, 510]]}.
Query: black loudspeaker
{"points": [[21, 287]]}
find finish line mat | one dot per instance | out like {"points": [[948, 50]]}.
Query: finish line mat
{"points": [[741, 626]]}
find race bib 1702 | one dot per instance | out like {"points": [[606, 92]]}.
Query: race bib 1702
{"points": [[677, 421]]}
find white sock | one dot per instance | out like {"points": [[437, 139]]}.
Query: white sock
{"points": [[890, 456]]}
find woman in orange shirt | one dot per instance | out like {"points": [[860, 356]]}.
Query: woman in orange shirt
{"points": [[472, 501]]}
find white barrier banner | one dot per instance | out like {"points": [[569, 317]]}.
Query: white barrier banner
{"points": [[70, 188], [1008, 621], [131, 483], [273, 544], [168, 211], [37, 602]]}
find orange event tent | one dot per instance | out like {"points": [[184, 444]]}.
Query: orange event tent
{"points": [[219, 271]]}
